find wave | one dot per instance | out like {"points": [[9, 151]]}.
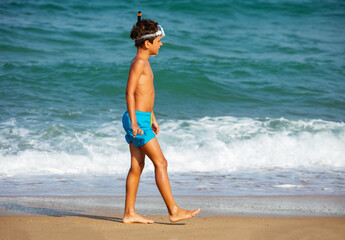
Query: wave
{"points": [[210, 144]]}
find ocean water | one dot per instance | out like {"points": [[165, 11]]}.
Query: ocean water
{"points": [[250, 97]]}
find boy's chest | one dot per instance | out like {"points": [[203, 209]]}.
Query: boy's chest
{"points": [[147, 77], [146, 81], [148, 72]]}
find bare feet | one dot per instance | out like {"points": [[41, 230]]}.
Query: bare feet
{"points": [[181, 214], [135, 218]]}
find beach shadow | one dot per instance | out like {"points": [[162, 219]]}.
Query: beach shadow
{"points": [[61, 213], [54, 212], [169, 223]]}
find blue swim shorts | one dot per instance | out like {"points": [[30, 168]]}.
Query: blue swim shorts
{"points": [[144, 120]]}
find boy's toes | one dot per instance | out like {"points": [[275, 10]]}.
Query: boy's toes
{"points": [[195, 212]]}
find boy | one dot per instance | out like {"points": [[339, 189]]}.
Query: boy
{"points": [[141, 126]]}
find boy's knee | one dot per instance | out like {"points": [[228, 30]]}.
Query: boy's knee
{"points": [[138, 168], [141, 165], [162, 163]]}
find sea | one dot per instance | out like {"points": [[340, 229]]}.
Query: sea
{"points": [[250, 97]]}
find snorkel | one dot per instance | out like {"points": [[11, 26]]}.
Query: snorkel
{"points": [[139, 16]]}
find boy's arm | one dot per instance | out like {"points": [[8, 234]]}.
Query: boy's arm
{"points": [[155, 126], [135, 72]]}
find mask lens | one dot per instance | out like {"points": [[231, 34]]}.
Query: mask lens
{"points": [[160, 28]]}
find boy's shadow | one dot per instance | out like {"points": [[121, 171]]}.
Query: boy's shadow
{"points": [[60, 213]]}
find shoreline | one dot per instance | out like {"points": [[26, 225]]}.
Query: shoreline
{"points": [[211, 206]]}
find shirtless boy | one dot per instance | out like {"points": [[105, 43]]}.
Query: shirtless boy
{"points": [[141, 126]]}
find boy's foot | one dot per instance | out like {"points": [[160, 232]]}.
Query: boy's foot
{"points": [[136, 218], [181, 214]]}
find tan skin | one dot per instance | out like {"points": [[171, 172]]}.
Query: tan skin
{"points": [[140, 95]]}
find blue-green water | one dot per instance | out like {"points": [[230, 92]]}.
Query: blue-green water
{"points": [[243, 88]]}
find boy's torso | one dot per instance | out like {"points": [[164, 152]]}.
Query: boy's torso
{"points": [[145, 92]]}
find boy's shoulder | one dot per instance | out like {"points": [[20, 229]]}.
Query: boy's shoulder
{"points": [[139, 62], [139, 59]]}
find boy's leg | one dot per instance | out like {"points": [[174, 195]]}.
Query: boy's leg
{"points": [[154, 152], [132, 183]]}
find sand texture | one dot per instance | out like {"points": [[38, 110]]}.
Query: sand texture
{"points": [[111, 227]]}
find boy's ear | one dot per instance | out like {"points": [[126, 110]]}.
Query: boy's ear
{"points": [[147, 44]]}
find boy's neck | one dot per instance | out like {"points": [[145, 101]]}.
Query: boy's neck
{"points": [[143, 53]]}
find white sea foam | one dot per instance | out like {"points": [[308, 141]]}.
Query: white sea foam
{"points": [[225, 143], [221, 145], [289, 186]]}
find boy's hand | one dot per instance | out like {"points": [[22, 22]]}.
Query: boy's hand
{"points": [[136, 130], [155, 127]]}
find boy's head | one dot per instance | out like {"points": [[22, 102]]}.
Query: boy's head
{"points": [[146, 30]]}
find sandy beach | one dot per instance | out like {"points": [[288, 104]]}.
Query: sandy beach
{"points": [[265, 217], [111, 227]]}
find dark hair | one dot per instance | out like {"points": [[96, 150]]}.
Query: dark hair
{"points": [[141, 28]]}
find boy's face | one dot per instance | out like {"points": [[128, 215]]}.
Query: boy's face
{"points": [[154, 47]]}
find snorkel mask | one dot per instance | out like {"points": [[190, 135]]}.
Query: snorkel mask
{"points": [[159, 33]]}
